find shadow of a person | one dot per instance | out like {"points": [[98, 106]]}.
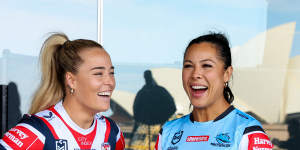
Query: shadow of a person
{"points": [[153, 104], [294, 132], [14, 113]]}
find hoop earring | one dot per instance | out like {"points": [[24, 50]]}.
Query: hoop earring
{"points": [[72, 91]]}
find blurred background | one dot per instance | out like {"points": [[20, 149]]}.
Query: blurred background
{"points": [[146, 40]]}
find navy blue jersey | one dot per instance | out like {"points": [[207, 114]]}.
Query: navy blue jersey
{"points": [[232, 130]]}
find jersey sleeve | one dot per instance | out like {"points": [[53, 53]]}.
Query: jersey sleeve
{"points": [[114, 135], [22, 136], [254, 138], [120, 144], [158, 141]]}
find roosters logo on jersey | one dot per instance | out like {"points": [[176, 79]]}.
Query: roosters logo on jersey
{"points": [[105, 146], [176, 138], [61, 144]]}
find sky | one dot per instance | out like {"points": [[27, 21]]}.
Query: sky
{"points": [[141, 31], [26, 24], [158, 31]]}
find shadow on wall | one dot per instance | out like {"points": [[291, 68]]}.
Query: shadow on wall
{"points": [[294, 134], [120, 115], [153, 104], [14, 113]]}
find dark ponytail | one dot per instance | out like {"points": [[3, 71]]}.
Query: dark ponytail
{"points": [[228, 95]]}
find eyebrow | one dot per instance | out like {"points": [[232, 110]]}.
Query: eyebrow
{"points": [[102, 68], [204, 60]]}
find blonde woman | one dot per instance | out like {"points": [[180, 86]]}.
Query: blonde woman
{"points": [[77, 83]]}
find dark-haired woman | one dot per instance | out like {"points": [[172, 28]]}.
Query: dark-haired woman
{"points": [[214, 123], [77, 83]]}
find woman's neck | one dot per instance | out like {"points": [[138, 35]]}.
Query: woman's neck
{"points": [[211, 112], [77, 113]]}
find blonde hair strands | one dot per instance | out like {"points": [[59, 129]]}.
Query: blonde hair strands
{"points": [[50, 91]]}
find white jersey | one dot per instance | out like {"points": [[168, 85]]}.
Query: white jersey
{"points": [[53, 129]]}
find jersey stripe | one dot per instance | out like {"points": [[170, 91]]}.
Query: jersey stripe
{"points": [[3, 145], [35, 131], [107, 132], [253, 128], [40, 125], [49, 126], [120, 145]]}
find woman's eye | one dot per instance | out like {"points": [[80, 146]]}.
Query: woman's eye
{"points": [[99, 73], [187, 66], [112, 73], [206, 65]]}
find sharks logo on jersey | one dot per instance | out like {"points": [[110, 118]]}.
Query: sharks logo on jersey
{"points": [[223, 140]]}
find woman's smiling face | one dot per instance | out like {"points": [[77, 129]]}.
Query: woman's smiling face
{"points": [[94, 82], [203, 75]]}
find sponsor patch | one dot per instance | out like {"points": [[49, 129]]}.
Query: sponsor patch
{"points": [[176, 138], [84, 141], [19, 137], [202, 138], [259, 141]]}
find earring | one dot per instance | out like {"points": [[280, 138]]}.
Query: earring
{"points": [[72, 91], [226, 84]]}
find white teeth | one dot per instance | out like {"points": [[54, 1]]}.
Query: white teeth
{"points": [[199, 87], [104, 94]]}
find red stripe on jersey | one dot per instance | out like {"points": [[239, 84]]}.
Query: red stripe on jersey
{"points": [[107, 132], [84, 141], [156, 144], [120, 145], [20, 137], [49, 126], [259, 141]]}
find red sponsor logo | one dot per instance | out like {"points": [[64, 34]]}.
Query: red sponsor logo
{"points": [[19, 137], [259, 141], [201, 138]]}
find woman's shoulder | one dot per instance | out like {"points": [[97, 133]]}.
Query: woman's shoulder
{"points": [[176, 122], [245, 118]]}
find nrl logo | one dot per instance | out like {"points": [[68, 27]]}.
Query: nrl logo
{"points": [[61, 144], [105, 146], [176, 138]]}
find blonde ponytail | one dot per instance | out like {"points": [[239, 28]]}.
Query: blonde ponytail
{"points": [[58, 56], [50, 90]]}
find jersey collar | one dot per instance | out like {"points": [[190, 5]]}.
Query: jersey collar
{"points": [[225, 113]]}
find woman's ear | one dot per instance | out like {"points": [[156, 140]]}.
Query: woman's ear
{"points": [[228, 74], [70, 80]]}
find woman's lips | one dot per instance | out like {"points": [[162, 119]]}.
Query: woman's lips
{"points": [[198, 91]]}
